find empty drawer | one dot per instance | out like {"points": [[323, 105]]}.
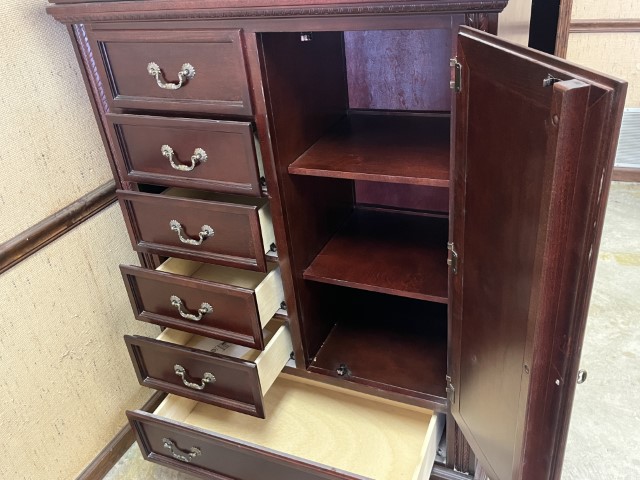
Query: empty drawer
{"points": [[223, 229], [212, 371], [311, 432], [211, 300]]}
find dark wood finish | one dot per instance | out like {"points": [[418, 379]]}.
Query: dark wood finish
{"points": [[337, 381], [313, 208], [27, 243], [234, 317], [397, 196], [391, 343], [542, 149], [387, 252], [116, 448], [231, 166], [237, 240], [562, 32], [399, 69], [441, 473], [237, 386], [605, 25], [298, 91], [261, 9], [384, 148], [222, 458], [622, 174], [219, 86]]}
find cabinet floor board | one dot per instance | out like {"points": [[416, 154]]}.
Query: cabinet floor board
{"points": [[383, 344]]}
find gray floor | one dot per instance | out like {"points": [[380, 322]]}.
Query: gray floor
{"points": [[604, 437]]}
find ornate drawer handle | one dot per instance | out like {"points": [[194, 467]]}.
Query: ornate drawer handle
{"points": [[182, 373], [202, 311], [186, 73], [206, 232], [199, 155], [179, 454]]}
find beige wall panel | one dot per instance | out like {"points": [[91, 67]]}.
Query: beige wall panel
{"points": [[590, 9], [66, 375], [610, 53], [513, 22], [51, 152]]}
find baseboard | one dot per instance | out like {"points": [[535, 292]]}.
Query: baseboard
{"points": [[109, 456], [621, 174]]}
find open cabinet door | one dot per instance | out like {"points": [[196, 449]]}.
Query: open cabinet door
{"points": [[534, 143]]}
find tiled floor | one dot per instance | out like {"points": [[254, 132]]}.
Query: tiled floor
{"points": [[604, 438]]}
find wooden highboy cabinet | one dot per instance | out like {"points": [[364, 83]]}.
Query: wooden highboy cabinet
{"points": [[369, 229]]}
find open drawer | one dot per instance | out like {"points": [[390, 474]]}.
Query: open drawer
{"points": [[230, 230], [313, 431], [211, 371], [226, 303]]}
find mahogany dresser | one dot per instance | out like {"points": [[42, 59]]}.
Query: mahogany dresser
{"points": [[368, 228]]}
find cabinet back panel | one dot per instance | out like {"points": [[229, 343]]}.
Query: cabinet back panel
{"points": [[404, 197], [399, 69]]}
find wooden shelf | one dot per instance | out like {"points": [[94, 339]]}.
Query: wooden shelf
{"points": [[391, 343], [387, 252], [412, 149]]}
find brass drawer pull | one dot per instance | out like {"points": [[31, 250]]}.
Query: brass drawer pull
{"points": [[182, 373], [186, 73], [202, 311], [199, 155], [179, 454], [206, 232]]}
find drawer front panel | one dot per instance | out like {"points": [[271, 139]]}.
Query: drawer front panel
{"points": [[236, 239], [236, 385], [233, 318], [219, 458], [202, 71], [221, 155]]}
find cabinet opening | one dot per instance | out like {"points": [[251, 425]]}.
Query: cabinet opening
{"points": [[360, 125], [388, 342]]}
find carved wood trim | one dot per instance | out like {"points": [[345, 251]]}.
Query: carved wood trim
{"points": [[604, 26], [117, 447], [441, 473], [479, 21], [209, 10], [464, 460], [33, 239], [562, 31]]}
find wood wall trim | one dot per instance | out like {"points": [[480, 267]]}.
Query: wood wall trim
{"points": [[605, 25], [564, 25], [625, 174], [117, 447], [33, 239]]}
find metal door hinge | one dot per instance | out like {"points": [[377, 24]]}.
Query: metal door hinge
{"points": [[452, 260], [456, 83], [451, 392]]}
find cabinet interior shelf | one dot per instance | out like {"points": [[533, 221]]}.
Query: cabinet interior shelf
{"points": [[382, 147], [387, 252], [392, 343]]}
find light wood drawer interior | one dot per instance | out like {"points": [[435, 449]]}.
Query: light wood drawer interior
{"points": [[344, 430], [267, 287]]}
